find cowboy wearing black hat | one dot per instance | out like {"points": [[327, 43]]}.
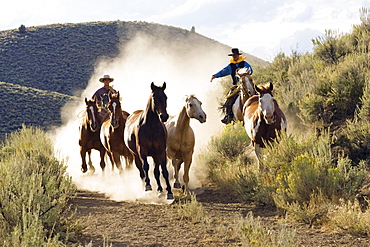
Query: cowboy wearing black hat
{"points": [[236, 62]]}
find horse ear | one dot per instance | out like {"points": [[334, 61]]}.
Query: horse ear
{"points": [[152, 86], [86, 100], [257, 89], [164, 85], [271, 86]]}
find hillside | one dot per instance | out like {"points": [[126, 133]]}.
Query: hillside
{"points": [[61, 57], [30, 106]]}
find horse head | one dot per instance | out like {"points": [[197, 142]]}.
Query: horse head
{"points": [[246, 81], [92, 114], [194, 109], [159, 101], [104, 99], [266, 102], [114, 107]]}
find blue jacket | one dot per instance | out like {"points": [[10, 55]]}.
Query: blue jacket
{"points": [[231, 68]]}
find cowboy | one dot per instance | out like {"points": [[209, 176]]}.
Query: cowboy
{"points": [[236, 62], [101, 95]]}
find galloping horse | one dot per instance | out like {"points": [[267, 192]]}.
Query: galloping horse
{"points": [[246, 90], [112, 132], [90, 135], [145, 135], [181, 140], [263, 118]]}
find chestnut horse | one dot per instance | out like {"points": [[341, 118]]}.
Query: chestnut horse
{"points": [[246, 90], [90, 135], [263, 119], [112, 132], [181, 140], [145, 135]]}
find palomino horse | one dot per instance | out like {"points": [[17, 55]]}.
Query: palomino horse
{"points": [[246, 90], [112, 132], [90, 135], [145, 135], [181, 140], [263, 118]]}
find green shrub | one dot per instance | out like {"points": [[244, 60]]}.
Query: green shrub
{"points": [[349, 218], [34, 191], [231, 143], [253, 233]]}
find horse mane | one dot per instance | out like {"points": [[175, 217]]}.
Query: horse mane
{"points": [[189, 96]]}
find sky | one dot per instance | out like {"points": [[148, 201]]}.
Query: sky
{"points": [[262, 28]]}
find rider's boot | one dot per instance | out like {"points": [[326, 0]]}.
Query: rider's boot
{"points": [[229, 115]]}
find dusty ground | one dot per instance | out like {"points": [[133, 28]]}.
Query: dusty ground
{"points": [[132, 224]]}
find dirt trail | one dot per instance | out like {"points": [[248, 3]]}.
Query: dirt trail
{"points": [[132, 224]]}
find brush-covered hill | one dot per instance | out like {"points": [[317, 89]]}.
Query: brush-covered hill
{"points": [[59, 60]]}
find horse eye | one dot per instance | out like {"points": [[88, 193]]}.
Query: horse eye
{"points": [[191, 105]]}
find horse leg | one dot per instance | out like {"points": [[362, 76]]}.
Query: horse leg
{"points": [[129, 159], [187, 163], [176, 165], [144, 158], [157, 174], [257, 150], [110, 156], [91, 167], [102, 156], [117, 161], [163, 163], [83, 158]]}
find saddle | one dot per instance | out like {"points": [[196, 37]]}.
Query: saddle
{"points": [[233, 91]]}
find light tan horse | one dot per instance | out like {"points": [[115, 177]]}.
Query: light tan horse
{"points": [[246, 90], [181, 140]]}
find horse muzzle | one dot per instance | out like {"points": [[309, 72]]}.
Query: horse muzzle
{"points": [[114, 123], [93, 127], [270, 119], [164, 117], [202, 118]]}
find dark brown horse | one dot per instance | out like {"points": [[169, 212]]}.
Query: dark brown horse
{"points": [[263, 119], [112, 132], [90, 135], [145, 135]]}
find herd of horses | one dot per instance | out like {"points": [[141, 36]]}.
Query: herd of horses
{"points": [[153, 133]]}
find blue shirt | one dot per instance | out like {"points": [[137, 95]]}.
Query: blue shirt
{"points": [[228, 70]]}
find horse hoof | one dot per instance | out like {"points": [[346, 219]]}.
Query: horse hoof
{"points": [[170, 196], [177, 185], [84, 170], [148, 188]]}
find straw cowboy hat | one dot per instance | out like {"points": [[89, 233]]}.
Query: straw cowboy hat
{"points": [[106, 77], [235, 51]]}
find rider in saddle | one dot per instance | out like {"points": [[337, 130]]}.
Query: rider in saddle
{"points": [[236, 62], [102, 95]]}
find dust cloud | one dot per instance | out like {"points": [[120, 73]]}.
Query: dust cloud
{"points": [[141, 61]]}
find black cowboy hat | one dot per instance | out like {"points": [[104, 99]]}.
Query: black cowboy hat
{"points": [[235, 51]]}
